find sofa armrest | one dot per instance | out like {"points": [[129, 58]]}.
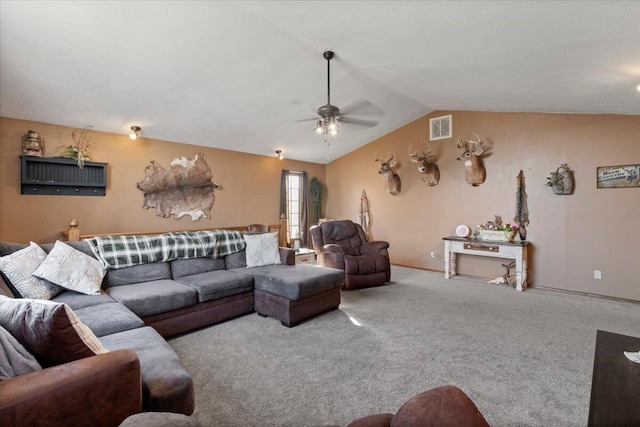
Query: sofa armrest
{"points": [[100, 390], [331, 259], [374, 247], [332, 247], [287, 255]]}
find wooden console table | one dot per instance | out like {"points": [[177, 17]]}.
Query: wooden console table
{"points": [[510, 250]]}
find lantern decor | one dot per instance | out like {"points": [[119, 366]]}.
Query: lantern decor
{"points": [[32, 144]]}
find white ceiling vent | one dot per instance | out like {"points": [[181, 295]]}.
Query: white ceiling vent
{"points": [[440, 127]]}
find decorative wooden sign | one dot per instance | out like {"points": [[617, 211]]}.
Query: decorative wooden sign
{"points": [[625, 176]]}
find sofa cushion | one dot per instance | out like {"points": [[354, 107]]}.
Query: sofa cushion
{"points": [[79, 245], [106, 319], [166, 384], [189, 267], [293, 282], [19, 266], [71, 269], [137, 274], [262, 249], [7, 248], [159, 296], [217, 284], [236, 260], [14, 358], [76, 300], [50, 331]]}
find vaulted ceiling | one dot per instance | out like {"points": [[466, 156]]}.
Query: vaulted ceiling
{"points": [[246, 76]]}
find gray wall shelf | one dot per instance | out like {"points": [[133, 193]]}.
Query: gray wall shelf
{"points": [[62, 176]]}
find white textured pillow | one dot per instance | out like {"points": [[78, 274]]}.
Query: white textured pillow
{"points": [[71, 269], [262, 249], [19, 267]]}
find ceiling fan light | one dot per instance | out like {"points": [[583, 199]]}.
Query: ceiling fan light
{"points": [[134, 132], [334, 131], [333, 126], [319, 129]]}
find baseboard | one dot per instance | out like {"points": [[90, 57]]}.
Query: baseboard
{"points": [[588, 294], [418, 268], [546, 288]]}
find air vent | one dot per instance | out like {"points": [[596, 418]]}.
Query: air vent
{"points": [[440, 127]]}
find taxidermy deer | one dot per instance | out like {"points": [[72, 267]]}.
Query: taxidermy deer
{"points": [[475, 172], [391, 180], [428, 169]]}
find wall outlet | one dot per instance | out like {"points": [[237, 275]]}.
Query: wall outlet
{"points": [[433, 255], [597, 274]]}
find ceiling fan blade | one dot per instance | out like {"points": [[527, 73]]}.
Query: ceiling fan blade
{"points": [[305, 120], [358, 122], [362, 107]]}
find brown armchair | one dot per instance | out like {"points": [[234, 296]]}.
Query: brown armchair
{"points": [[343, 245], [99, 391]]}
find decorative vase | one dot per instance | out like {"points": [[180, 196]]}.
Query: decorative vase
{"points": [[561, 181]]}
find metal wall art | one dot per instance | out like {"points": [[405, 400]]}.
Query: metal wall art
{"points": [[625, 176]]}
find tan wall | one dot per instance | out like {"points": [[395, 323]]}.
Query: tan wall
{"points": [[250, 186], [593, 229]]}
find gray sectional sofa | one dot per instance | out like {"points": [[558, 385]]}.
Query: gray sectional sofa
{"points": [[141, 305]]}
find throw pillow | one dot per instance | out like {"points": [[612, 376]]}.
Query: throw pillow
{"points": [[18, 268], [14, 359], [49, 330], [262, 249], [71, 269]]}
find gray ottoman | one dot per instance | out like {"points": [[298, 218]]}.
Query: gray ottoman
{"points": [[293, 293]]}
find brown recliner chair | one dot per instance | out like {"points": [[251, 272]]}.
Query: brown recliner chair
{"points": [[343, 245], [446, 406]]}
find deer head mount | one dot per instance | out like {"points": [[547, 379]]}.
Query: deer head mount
{"points": [[391, 180], [426, 165], [475, 172]]}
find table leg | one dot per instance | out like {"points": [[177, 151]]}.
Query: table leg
{"points": [[520, 277], [447, 258], [453, 264]]}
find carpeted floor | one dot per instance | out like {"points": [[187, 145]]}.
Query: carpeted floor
{"points": [[525, 358]]}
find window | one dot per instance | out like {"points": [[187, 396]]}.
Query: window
{"points": [[294, 197], [293, 204]]}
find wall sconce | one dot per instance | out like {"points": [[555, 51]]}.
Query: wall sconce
{"points": [[279, 154], [134, 135]]}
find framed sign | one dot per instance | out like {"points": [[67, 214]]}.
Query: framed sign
{"points": [[624, 176]]}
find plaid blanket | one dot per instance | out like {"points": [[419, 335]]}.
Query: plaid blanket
{"points": [[125, 251]]}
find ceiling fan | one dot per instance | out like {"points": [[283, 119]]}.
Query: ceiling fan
{"points": [[330, 115]]}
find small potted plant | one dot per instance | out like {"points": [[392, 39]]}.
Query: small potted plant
{"points": [[79, 150], [497, 230]]}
